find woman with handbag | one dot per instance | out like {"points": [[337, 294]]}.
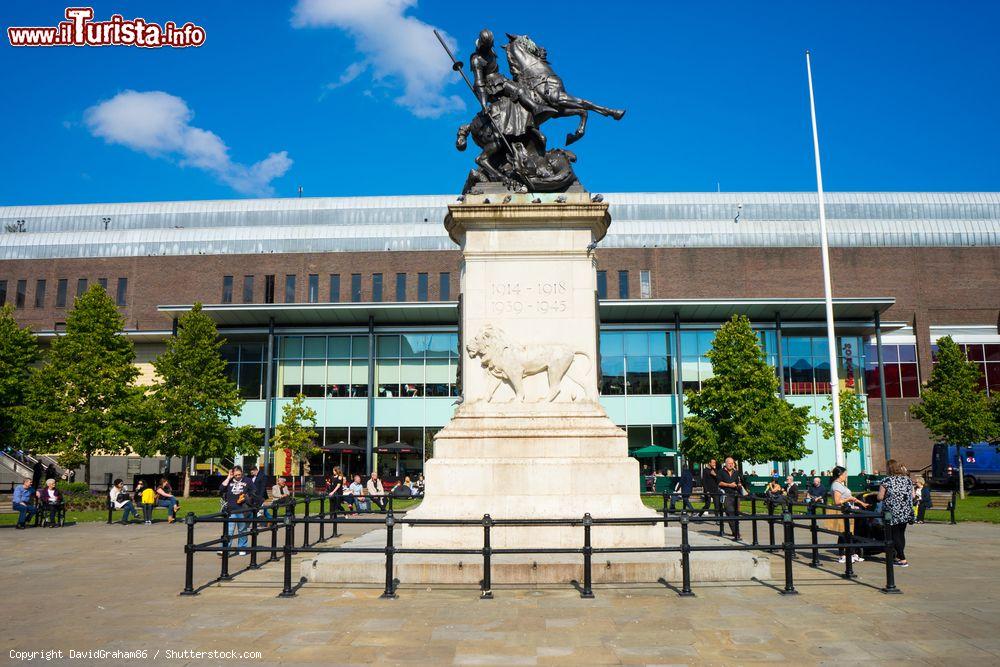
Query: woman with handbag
{"points": [[845, 501], [120, 500], [896, 495]]}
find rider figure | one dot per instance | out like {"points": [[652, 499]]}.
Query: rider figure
{"points": [[490, 84]]}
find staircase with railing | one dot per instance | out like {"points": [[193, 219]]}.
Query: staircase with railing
{"points": [[21, 468]]}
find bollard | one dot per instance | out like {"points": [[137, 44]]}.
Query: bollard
{"points": [[287, 591], [253, 542], [189, 520], [814, 536], [322, 518], [224, 570], [486, 590], [890, 555], [789, 552], [588, 552], [305, 525], [848, 551], [685, 558], [390, 585], [753, 510]]}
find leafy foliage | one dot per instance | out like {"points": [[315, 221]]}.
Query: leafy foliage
{"points": [[953, 407], [84, 399], [295, 432], [853, 420], [18, 351], [738, 412], [193, 402]]}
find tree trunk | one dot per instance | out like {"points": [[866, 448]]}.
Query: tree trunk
{"points": [[187, 477]]}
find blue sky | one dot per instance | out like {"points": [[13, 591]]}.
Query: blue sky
{"points": [[347, 98]]}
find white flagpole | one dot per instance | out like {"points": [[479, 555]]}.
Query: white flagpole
{"points": [[827, 289]]}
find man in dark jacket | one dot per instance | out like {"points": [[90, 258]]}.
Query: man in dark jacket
{"points": [[258, 482], [684, 485], [710, 487]]}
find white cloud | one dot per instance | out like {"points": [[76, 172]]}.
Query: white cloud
{"points": [[159, 124], [398, 48]]}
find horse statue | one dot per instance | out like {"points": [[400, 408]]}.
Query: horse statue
{"points": [[530, 68]]}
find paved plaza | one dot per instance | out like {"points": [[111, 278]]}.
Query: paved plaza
{"points": [[94, 586]]}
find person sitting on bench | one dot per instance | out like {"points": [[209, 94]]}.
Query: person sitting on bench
{"points": [[52, 501], [120, 500]]}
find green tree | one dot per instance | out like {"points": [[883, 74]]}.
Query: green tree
{"points": [[83, 400], [18, 351], [295, 432], [193, 402], [738, 412], [853, 420], [953, 407]]}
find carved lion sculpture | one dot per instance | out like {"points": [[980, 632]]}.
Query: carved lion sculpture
{"points": [[508, 362]]}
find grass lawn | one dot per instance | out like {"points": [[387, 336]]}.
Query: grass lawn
{"points": [[973, 508]]}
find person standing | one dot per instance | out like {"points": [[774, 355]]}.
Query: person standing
{"points": [[258, 483], [710, 487], [923, 493], [238, 496], [24, 502], [845, 500], [685, 485], [896, 494], [730, 484]]}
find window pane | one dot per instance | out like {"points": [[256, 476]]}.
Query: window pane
{"points": [[334, 287], [445, 287], [314, 347], [623, 284], [441, 345], [289, 289], [972, 352], [290, 378], [359, 347], [993, 379], [645, 289], [376, 287], [907, 352], [81, 286], [61, 288], [355, 287], [612, 344], [415, 345], [659, 342], [338, 371], [122, 291], [992, 352], [40, 293], [313, 295], [247, 289], [230, 353], [314, 377], [636, 343], [411, 377], [639, 437], [252, 352], [291, 347], [637, 375], [400, 287], [421, 287], [227, 289], [890, 353], [3, 292], [340, 347], [602, 284], [660, 382], [612, 376], [871, 379], [821, 371], [251, 385], [892, 386], [663, 436], [387, 346], [689, 344], [910, 387], [269, 289]]}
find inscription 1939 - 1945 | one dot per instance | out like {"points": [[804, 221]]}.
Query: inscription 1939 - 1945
{"points": [[517, 298]]}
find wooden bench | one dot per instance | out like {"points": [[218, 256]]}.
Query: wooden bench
{"points": [[943, 501]]}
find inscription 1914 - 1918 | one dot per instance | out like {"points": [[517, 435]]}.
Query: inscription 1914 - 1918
{"points": [[517, 298]]}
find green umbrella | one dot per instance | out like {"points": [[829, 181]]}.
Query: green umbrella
{"points": [[650, 452]]}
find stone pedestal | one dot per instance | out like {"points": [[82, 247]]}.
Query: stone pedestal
{"points": [[530, 439]]}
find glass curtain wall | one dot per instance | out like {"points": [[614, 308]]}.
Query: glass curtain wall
{"points": [[416, 364]]}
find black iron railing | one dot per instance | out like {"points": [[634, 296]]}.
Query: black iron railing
{"points": [[281, 529]]}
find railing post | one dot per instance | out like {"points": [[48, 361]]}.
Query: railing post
{"points": [[789, 545], [189, 521], [588, 551], [753, 524], [287, 591], [305, 525], [814, 536], [253, 542], [334, 510], [390, 584], [890, 555], [849, 551], [770, 521], [665, 508], [275, 509], [110, 510], [486, 591], [720, 501], [685, 556], [322, 518], [954, 502], [224, 570]]}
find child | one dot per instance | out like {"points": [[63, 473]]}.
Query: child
{"points": [[361, 502], [148, 502], [922, 498]]}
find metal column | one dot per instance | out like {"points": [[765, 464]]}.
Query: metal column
{"points": [[886, 440], [269, 397], [678, 380], [781, 368], [370, 425]]}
